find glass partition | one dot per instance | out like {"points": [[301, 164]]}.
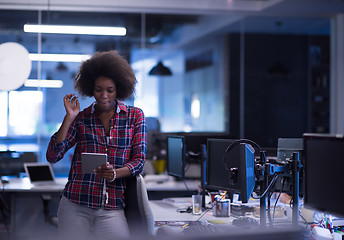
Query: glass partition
{"points": [[203, 53]]}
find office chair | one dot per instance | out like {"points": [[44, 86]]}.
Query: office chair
{"points": [[137, 210], [52, 220]]}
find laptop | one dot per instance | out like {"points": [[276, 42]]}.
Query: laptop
{"points": [[40, 174]]}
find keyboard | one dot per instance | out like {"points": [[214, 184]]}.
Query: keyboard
{"points": [[199, 228]]}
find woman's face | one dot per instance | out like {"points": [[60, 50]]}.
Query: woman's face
{"points": [[105, 93]]}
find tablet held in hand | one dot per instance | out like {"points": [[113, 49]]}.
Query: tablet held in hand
{"points": [[91, 161]]}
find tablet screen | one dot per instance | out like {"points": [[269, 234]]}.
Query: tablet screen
{"points": [[91, 161]]}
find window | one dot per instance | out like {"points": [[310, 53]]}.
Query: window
{"points": [[3, 113], [24, 112]]}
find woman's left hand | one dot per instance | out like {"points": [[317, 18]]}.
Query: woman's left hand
{"points": [[106, 171]]}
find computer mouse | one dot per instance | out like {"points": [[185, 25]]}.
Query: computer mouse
{"points": [[245, 221]]}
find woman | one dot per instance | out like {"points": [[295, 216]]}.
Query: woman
{"points": [[93, 203]]}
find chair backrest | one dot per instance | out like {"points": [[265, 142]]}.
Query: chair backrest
{"points": [[137, 209]]}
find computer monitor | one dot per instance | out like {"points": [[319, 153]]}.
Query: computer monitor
{"points": [[324, 164], [217, 178], [246, 172], [11, 163], [240, 157], [175, 156], [285, 149], [193, 141]]}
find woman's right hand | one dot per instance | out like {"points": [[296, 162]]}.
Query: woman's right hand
{"points": [[72, 105]]}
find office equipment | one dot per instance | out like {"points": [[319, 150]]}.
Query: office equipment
{"points": [[40, 173], [91, 161], [200, 228], [246, 168], [241, 170], [285, 149], [231, 167], [153, 143], [193, 141], [217, 178], [220, 228], [324, 164], [245, 222], [243, 173], [175, 156], [11, 163]]}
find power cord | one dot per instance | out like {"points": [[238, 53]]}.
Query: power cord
{"points": [[213, 205], [268, 188], [186, 186]]}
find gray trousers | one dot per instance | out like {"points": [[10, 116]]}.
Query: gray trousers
{"points": [[78, 222]]}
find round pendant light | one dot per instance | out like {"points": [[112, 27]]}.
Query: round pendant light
{"points": [[15, 66]]}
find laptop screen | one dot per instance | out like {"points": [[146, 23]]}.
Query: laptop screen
{"points": [[39, 172]]}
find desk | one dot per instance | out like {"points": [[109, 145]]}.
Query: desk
{"points": [[27, 206], [24, 185], [166, 211], [27, 217], [166, 189]]}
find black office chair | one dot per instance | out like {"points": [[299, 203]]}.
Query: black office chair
{"points": [[137, 210]]}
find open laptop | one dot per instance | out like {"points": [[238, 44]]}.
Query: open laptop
{"points": [[40, 174]]}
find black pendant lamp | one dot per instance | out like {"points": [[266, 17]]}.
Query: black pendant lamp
{"points": [[160, 70]]}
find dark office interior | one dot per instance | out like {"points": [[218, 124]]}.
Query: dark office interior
{"points": [[260, 70]]}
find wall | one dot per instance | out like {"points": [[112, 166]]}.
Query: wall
{"points": [[275, 105]]}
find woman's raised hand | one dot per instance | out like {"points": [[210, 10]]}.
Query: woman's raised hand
{"points": [[72, 105]]}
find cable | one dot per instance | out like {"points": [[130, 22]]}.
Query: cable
{"points": [[267, 189], [230, 147], [279, 195], [213, 205], [186, 185], [304, 220]]}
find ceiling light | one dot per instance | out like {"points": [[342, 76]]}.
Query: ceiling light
{"points": [[59, 57], [160, 70], [43, 83], [88, 30], [195, 106]]}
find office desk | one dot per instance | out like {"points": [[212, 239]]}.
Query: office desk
{"points": [[159, 190], [166, 212], [27, 205], [23, 185]]}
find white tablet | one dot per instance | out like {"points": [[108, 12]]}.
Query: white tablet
{"points": [[91, 161]]}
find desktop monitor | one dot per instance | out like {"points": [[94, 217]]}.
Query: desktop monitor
{"points": [[240, 159], [11, 163], [285, 149], [246, 172], [175, 156], [324, 164], [193, 141]]}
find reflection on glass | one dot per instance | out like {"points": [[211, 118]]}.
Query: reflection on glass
{"points": [[3, 114], [24, 112]]}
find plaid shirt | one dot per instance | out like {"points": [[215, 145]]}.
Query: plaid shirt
{"points": [[126, 147]]}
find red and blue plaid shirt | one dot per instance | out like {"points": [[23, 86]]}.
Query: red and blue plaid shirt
{"points": [[126, 147]]}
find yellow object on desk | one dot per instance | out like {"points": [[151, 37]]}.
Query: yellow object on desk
{"points": [[159, 166]]}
